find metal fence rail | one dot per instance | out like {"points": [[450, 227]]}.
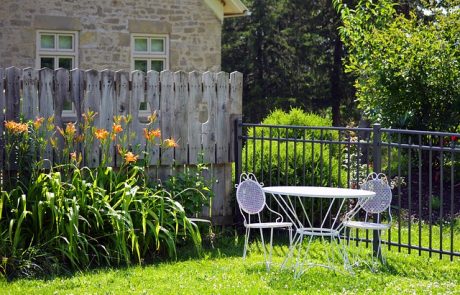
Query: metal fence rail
{"points": [[423, 166]]}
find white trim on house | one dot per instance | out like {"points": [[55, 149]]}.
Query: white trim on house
{"points": [[56, 52], [150, 55]]}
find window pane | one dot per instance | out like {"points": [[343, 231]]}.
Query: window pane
{"points": [[67, 105], [157, 45], [140, 44], [47, 62], [157, 65], [47, 41], [65, 42], [143, 106], [65, 62], [140, 65]]}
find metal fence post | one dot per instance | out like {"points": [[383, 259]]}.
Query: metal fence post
{"points": [[377, 167]]}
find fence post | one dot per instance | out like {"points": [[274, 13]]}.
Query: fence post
{"points": [[377, 164]]}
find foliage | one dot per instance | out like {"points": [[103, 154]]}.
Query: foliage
{"points": [[290, 54], [223, 271], [66, 215], [406, 66], [300, 160], [190, 188]]}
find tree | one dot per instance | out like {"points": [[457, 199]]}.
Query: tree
{"points": [[407, 67], [291, 56]]}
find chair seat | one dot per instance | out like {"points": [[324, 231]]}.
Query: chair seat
{"points": [[366, 225], [269, 225]]}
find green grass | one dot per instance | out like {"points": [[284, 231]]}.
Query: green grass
{"points": [[223, 271]]}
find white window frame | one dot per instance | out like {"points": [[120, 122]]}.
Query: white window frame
{"points": [[57, 53], [149, 56]]}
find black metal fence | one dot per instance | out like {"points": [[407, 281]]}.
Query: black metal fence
{"points": [[424, 168]]}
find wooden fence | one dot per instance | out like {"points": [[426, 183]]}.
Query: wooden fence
{"points": [[196, 109]]}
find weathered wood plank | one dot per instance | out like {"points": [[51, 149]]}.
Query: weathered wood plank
{"points": [[46, 108], [181, 116], [208, 129], [235, 107], [107, 108], [92, 103], [195, 107], [2, 118], [77, 92], [61, 94], [12, 93], [153, 99], [29, 106], [122, 95], [167, 114], [222, 118], [137, 96]]}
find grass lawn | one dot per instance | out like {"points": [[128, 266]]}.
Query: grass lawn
{"points": [[222, 271]]}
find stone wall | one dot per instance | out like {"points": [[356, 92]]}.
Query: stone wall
{"points": [[104, 28]]}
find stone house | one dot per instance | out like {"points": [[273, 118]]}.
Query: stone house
{"points": [[114, 34]]}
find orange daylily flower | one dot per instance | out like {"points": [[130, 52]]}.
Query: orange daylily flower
{"points": [[38, 122], [130, 157], [101, 134], [150, 135], [15, 127], [70, 129], [117, 128], [170, 143]]}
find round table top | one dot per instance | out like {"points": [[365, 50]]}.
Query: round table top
{"points": [[318, 192]]}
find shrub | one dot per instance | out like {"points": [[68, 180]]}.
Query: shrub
{"points": [[299, 161]]}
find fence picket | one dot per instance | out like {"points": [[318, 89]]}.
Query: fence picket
{"points": [[153, 99], [12, 93], [208, 129], [45, 108], [222, 118], [92, 102], [235, 106], [29, 107], [107, 108], [167, 114], [61, 94], [181, 116], [137, 96], [121, 104], [196, 107], [2, 117]]}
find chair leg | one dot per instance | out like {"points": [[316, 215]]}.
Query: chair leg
{"points": [[263, 246], [270, 250], [246, 241]]}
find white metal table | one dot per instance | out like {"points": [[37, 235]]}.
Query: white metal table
{"points": [[292, 199]]}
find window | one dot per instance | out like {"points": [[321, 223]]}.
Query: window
{"points": [[57, 49], [149, 52]]}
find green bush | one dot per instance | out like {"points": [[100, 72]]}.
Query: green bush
{"points": [[309, 163]]}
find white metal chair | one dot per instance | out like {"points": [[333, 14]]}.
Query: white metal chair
{"points": [[251, 200], [375, 206]]}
